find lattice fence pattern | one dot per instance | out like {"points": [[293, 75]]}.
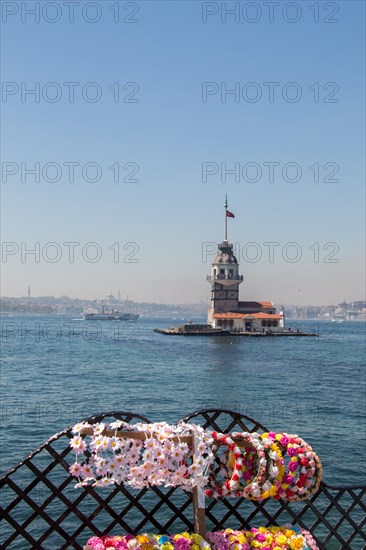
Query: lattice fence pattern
{"points": [[40, 509]]}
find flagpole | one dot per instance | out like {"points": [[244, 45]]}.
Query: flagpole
{"points": [[225, 217]]}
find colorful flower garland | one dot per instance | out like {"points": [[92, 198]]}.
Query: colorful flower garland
{"points": [[258, 468], [227, 463], [159, 458], [269, 469], [229, 485], [182, 541], [302, 475], [265, 538], [267, 474], [271, 464]]}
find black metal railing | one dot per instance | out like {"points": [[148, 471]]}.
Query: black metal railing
{"points": [[40, 509]]}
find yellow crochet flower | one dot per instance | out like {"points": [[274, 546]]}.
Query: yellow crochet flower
{"points": [[272, 491], [296, 543], [289, 533], [147, 546], [197, 539], [142, 538], [167, 546], [281, 539]]}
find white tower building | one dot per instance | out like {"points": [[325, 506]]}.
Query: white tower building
{"points": [[226, 310]]}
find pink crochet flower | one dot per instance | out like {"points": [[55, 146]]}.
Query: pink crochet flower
{"points": [[96, 543], [293, 466], [182, 544], [218, 540], [93, 540], [309, 539]]}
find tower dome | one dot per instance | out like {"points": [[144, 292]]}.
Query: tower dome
{"points": [[225, 254]]}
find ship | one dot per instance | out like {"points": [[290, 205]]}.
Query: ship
{"points": [[109, 315]]}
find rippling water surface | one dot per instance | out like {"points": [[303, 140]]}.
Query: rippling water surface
{"points": [[57, 370]]}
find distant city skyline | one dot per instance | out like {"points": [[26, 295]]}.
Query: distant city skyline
{"points": [[117, 299], [66, 306], [115, 166]]}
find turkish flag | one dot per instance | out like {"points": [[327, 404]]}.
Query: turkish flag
{"points": [[229, 214]]}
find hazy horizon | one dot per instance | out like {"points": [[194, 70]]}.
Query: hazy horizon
{"points": [[162, 303]]}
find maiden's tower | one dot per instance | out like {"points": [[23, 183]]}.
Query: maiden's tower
{"points": [[227, 315], [226, 310]]}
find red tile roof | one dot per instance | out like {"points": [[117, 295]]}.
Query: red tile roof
{"points": [[230, 315], [263, 316]]}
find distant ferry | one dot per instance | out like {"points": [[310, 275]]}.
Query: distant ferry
{"points": [[111, 315], [339, 317]]}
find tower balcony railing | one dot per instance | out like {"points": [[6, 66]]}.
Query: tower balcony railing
{"points": [[223, 277]]}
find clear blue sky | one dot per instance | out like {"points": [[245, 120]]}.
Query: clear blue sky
{"points": [[169, 133]]}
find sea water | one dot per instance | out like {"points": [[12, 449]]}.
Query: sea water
{"points": [[58, 370]]}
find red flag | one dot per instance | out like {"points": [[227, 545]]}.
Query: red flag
{"points": [[229, 214]]}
